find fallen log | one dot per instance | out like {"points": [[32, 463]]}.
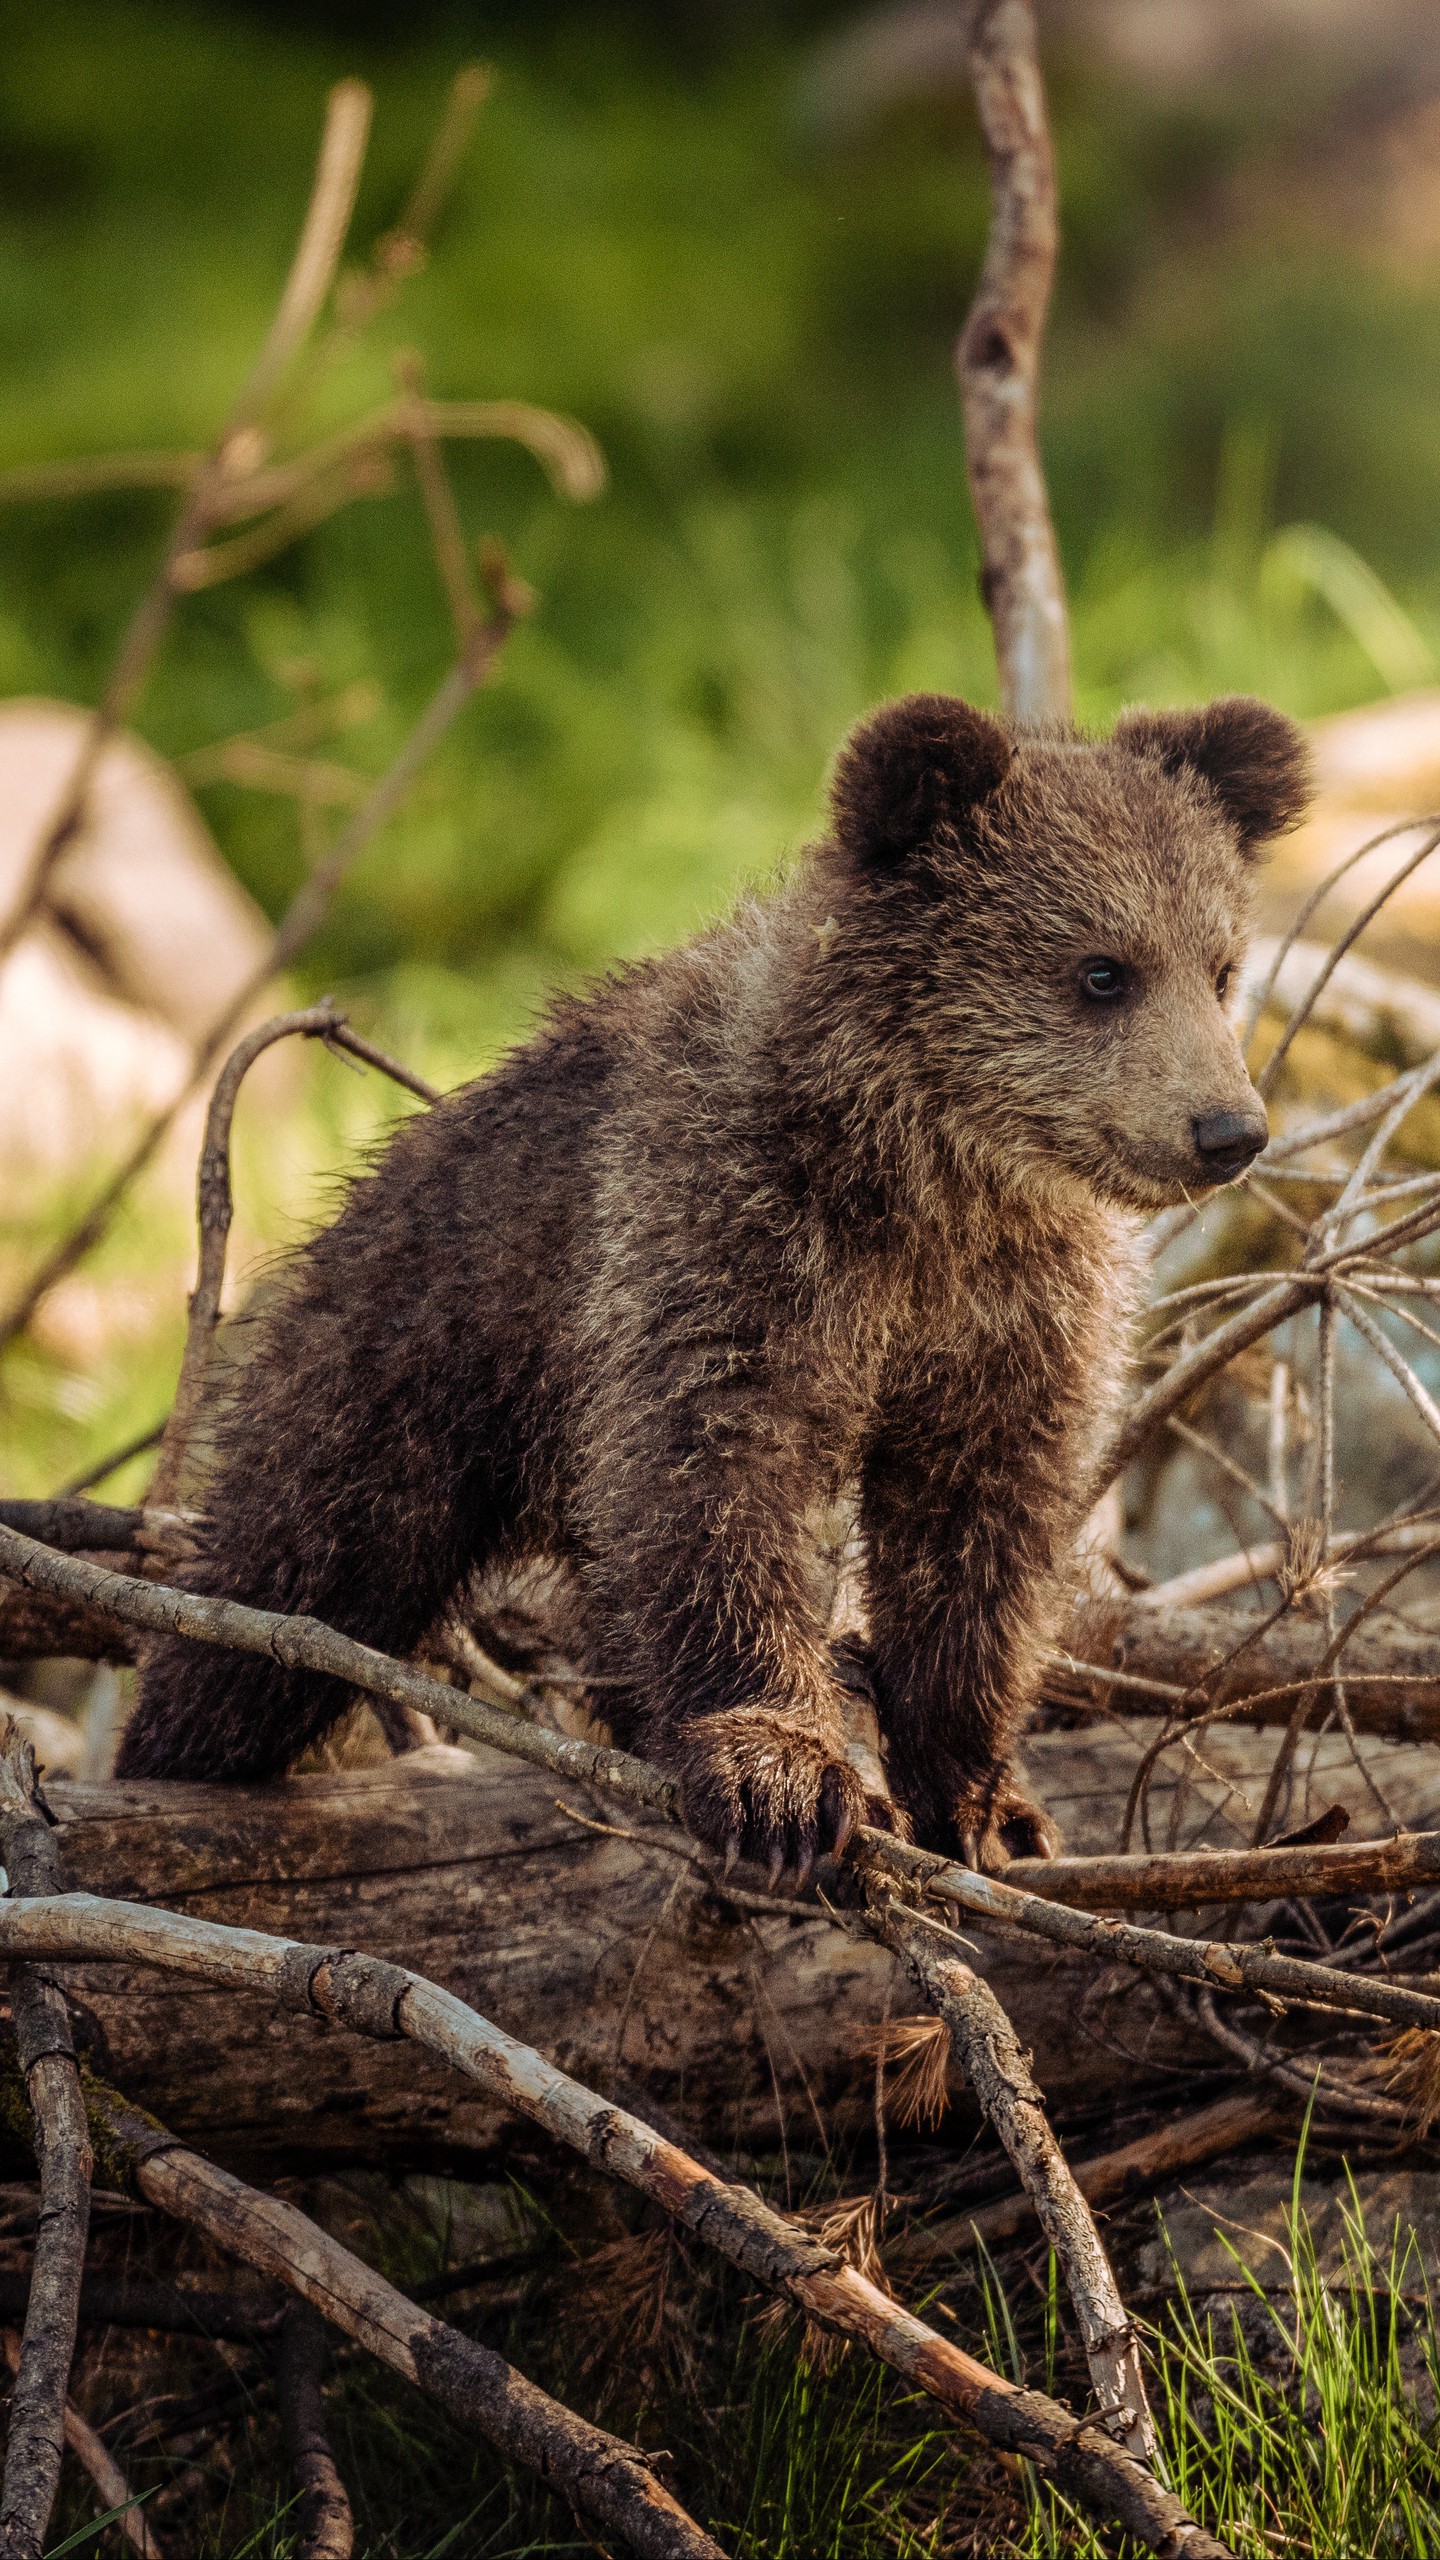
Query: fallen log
{"points": [[589, 1936], [588, 1931]]}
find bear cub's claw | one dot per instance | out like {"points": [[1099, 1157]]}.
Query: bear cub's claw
{"points": [[1001, 1821], [755, 1785]]}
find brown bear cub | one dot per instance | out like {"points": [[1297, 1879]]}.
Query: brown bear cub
{"points": [[840, 1201]]}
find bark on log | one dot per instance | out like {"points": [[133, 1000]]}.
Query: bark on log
{"points": [[597, 1944]]}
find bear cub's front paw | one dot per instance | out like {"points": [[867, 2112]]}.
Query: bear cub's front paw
{"points": [[1000, 1821], [755, 1785]]}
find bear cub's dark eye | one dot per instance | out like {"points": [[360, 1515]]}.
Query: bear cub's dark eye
{"points": [[1103, 980], [1222, 983]]}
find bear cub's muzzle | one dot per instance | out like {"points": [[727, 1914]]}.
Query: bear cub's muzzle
{"points": [[1227, 1141]]}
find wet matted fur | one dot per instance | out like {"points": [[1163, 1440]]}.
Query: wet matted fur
{"points": [[844, 1194]]}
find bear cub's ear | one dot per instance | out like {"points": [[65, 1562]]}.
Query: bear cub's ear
{"points": [[1255, 760], [912, 768]]}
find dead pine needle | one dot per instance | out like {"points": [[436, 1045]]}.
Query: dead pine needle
{"points": [[1414, 2076], [915, 2053], [851, 2227]]}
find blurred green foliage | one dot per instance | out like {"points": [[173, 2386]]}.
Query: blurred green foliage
{"points": [[656, 233], [756, 319]]}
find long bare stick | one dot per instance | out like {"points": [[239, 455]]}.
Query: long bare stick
{"points": [[997, 2071], [1186, 1879], [998, 363], [598, 2474], [47, 2061], [157, 1608], [374, 1998]]}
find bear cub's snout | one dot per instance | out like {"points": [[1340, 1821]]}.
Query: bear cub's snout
{"points": [[1227, 1142]]}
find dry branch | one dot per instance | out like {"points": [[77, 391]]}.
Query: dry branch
{"points": [[215, 1209], [1001, 2078], [52, 2086], [998, 363], [342, 149], [1228, 1965], [598, 2474], [325, 2521], [157, 1609], [301, 920], [1185, 1879]]}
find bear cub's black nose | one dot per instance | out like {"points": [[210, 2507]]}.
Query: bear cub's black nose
{"points": [[1226, 1141]]}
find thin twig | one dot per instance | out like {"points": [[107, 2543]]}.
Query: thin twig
{"points": [[109, 1466], [317, 252], [1264, 1082], [1328, 1660], [214, 1210], [447, 538]]}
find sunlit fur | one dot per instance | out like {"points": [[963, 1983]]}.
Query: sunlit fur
{"points": [[842, 1195]]}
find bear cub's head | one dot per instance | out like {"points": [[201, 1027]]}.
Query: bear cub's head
{"points": [[1052, 928]]}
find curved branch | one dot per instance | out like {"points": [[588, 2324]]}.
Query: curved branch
{"points": [[214, 1211]]}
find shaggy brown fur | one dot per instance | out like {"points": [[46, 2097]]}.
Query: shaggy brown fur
{"points": [[843, 1195]]}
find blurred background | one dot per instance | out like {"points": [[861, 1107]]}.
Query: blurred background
{"points": [[736, 242]]}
